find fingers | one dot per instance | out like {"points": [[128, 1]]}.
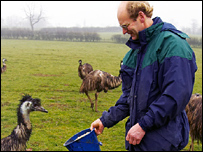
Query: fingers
{"points": [[133, 140], [91, 127], [97, 124], [135, 135], [127, 137]]}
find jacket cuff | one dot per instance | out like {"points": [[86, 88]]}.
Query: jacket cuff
{"points": [[103, 121], [143, 125], [146, 123]]}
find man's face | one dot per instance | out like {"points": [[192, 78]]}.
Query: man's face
{"points": [[129, 26], [132, 30]]}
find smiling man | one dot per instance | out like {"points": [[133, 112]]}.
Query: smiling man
{"points": [[158, 75], [133, 22]]}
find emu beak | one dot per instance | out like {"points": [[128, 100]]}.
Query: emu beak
{"points": [[39, 108]]}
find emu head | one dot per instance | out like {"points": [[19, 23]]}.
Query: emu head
{"points": [[80, 62], [120, 68], [197, 94], [4, 60], [121, 63], [28, 104]]}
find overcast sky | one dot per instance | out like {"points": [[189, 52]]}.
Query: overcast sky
{"points": [[102, 13]]}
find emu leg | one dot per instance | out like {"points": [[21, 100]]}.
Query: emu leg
{"points": [[96, 95], [92, 104], [191, 145]]}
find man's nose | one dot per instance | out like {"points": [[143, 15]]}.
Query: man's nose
{"points": [[124, 31]]}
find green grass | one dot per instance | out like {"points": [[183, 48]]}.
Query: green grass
{"points": [[198, 74], [48, 70]]}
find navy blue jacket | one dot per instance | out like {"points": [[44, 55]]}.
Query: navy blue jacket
{"points": [[158, 75]]}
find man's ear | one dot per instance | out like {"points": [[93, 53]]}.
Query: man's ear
{"points": [[141, 16]]}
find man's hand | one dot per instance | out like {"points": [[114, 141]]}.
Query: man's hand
{"points": [[99, 127], [135, 134]]}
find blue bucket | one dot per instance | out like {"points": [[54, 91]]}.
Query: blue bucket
{"points": [[85, 140]]}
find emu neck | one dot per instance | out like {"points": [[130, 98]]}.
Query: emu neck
{"points": [[24, 118], [27, 120], [23, 129], [4, 68]]}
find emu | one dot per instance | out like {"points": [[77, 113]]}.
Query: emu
{"points": [[3, 69], [84, 69], [16, 141], [194, 114], [100, 81]]}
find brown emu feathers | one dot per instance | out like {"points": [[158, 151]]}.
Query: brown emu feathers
{"points": [[3, 69], [84, 69], [16, 141], [100, 81], [194, 114]]}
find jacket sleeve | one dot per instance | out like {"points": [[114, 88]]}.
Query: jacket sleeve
{"points": [[121, 109], [175, 79]]}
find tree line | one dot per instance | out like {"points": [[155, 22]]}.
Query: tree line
{"points": [[70, 34], [61, 34], [193, 41]]}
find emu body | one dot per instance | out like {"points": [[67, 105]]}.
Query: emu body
{"points": [[100, 81], [194, 114], [84, 69], [3, 69], [16, 141]]}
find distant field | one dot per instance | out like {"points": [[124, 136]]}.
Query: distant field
{"points": [[106, 36], [48, 70]]}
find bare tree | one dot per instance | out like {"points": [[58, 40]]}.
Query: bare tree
{"points": [[32, 16]]}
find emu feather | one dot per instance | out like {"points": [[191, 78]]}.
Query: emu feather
{"points": [[100, 81], [194, 114], [16, 141], [3, 69], [84, 69]]}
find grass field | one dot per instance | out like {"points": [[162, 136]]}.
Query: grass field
{"points": [[48, 70]]}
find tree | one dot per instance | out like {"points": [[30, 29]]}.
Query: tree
{"points": [[32, 16]]}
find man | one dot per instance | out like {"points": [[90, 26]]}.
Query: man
{"points": [[157, 81]]}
